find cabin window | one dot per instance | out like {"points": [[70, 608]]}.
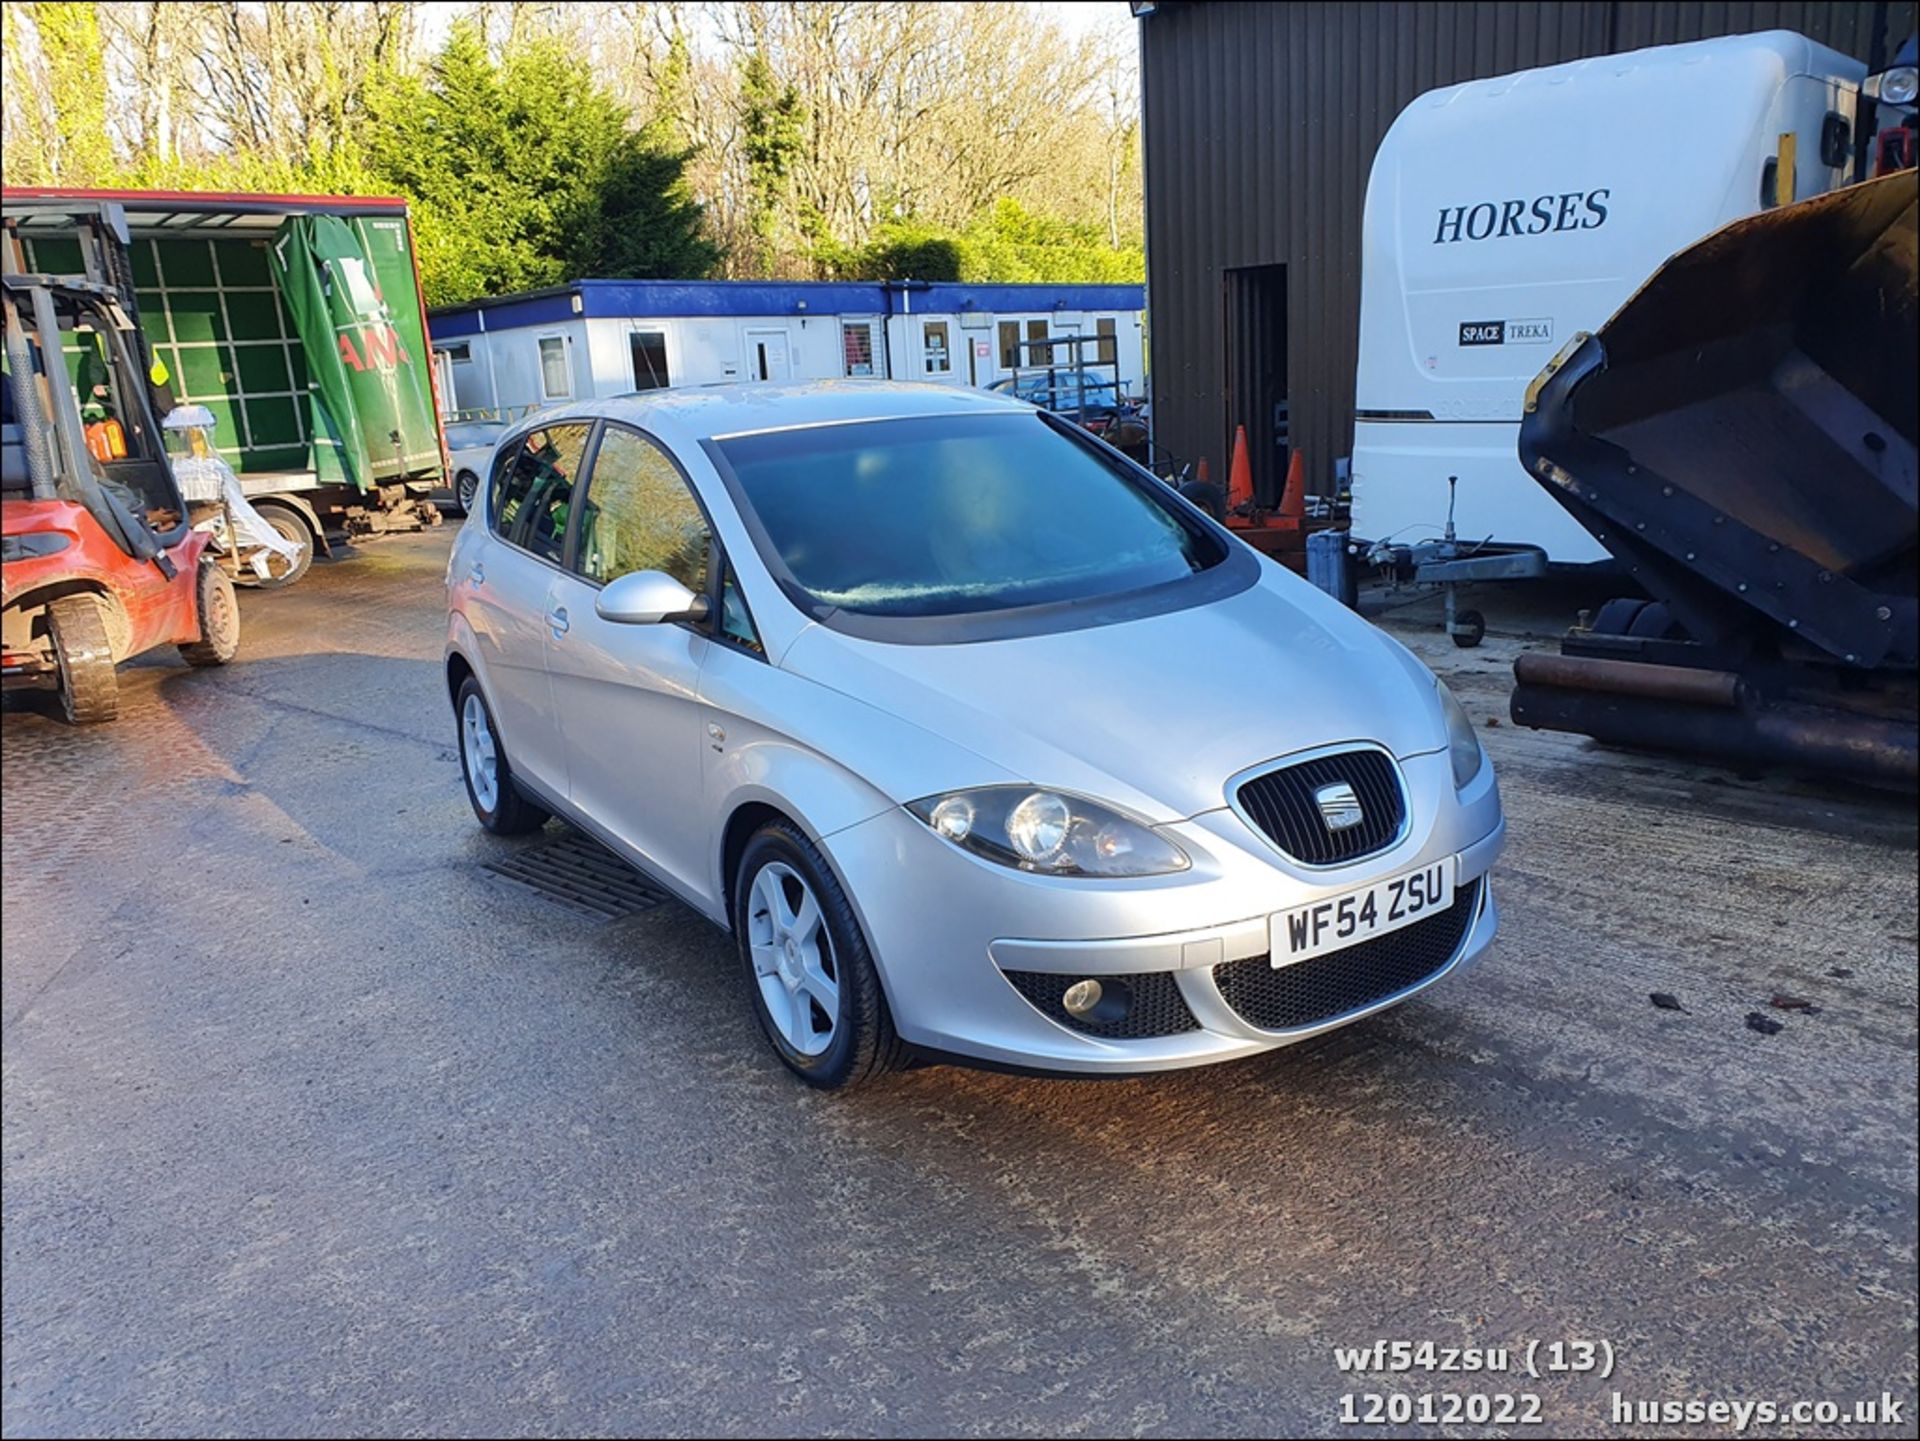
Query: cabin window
{"points": [[939, 360], [461, 354], [1107, 348], [649, 349], [556, 375]]}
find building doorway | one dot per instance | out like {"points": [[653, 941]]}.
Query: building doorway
{"points": [[766, 355], [1256, 389]]}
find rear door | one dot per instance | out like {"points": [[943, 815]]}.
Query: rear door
{"points": [[508, 582], [627, 695]]}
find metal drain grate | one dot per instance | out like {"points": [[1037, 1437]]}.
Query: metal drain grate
{"points": [[576, 871]]}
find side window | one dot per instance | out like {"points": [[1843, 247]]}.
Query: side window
{"points": [[736, 624], [939, 362], [1039, 351], [640, 515], [1109, 344], [649, 349], [856, 343], [556, 375], [534, 492], [1009, 345]]}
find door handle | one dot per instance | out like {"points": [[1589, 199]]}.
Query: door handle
{"points": [[477, 573], [557, 621]]}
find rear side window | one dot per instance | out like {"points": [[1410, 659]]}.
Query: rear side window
{"points": [[534, 491], [639, 515]]}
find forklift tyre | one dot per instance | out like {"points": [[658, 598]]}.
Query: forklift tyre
{"points": [[89, 684], [1469, 628], [291, 527], [218, 613]]}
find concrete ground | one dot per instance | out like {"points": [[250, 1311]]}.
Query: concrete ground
{"points": [[314, 1125]]}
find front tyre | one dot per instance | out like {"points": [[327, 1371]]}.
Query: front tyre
{"points": [[218, 615], [497, 802], [812, 979]]}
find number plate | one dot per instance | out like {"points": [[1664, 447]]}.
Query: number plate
{"points": [[1339, 921]]}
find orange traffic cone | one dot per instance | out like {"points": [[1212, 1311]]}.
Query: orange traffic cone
{"points": [[1293, 500], [1240, 475]]}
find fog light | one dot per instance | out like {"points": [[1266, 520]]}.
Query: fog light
{"points": [[1081, 997]]}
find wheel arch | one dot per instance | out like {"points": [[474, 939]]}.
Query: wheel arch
{"points": [[459, 671], [20, 606]]}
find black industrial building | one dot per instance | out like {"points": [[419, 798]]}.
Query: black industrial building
{"points": [[1261, 121]]}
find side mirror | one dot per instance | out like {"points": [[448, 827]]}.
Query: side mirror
{"points": [[648, 597]]}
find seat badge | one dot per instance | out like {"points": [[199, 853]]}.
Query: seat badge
{"points": [[1339, 806]]}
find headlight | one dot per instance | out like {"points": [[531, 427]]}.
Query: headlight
{"points": [[1896, 86], [1049, 833], [1463, 746]]}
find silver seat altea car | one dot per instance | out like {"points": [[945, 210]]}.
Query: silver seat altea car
{"points": [[981, 741]]}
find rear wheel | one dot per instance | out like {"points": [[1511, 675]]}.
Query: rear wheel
{"points": [[219, 615], [89, 684], [281, 571], [813, 982], [497, 802]]}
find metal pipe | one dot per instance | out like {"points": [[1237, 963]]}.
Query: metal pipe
{"points": [[33, 425], [1811, 738], [1630, 677]]}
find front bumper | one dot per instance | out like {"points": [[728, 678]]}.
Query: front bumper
{"points": [[947, 928]]}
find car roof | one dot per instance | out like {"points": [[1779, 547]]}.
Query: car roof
{"points": [[717, 411]]}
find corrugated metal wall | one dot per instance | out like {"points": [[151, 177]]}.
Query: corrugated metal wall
{"points": [[1261, 124]]}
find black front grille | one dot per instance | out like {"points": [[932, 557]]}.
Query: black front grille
{"points": [[1157, 1009], [1341, 982], [1281, 804]]}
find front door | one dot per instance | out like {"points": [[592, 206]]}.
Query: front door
{"points": [[627, 695], [508, 578], [767, 355]]}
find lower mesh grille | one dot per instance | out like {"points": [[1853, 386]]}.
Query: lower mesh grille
{"points": [[1158, 1008], [1349, 980]]}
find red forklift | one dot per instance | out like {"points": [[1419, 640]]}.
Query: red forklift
{"points": [[98, 561]]}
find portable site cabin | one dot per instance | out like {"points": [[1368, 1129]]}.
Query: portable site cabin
{"points": [[609, 337], [297, 320], [1505, 215]]}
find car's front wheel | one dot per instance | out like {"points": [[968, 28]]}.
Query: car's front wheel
{"points": [[811, 977], [497, 802]]}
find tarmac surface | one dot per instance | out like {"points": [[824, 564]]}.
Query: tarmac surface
{"points": [[313, 1124]]}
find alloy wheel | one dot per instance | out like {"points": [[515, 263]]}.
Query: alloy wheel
{"points": [[793, 959], [482, 757]]}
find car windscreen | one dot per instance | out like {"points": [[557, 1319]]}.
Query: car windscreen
{"points": [[956, 515]]}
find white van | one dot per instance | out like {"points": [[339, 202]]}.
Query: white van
{"points": [[1504, 215]]}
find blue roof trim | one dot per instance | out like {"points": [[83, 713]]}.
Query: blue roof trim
{"points": [[674, 299], [535, 307]]}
